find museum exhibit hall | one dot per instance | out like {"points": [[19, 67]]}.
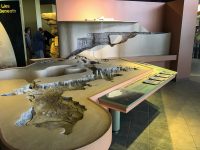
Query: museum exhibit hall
{"points": [[99, 74]]}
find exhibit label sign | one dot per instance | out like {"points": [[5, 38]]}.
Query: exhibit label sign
{"points": [[6, 9]]}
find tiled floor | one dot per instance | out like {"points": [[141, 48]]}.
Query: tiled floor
{"points": [[175, 124]]}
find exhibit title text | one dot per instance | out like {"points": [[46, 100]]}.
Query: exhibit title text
{"points": [[6, 9]]}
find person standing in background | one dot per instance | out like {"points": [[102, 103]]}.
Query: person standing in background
{"points": [[47, 36], [54, 53], [28, 42], [38, 43]]}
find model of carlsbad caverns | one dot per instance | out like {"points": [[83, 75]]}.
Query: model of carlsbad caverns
{"points": [[50, 108]]}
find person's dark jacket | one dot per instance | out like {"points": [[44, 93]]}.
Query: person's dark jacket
{"points": [[47, 37], [28, 41], [38, 41]]}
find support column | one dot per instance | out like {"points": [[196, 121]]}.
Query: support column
{"points": [[65, 48], [180, 21], [115, 120], [23, 28], [53, 8], [38, 13], [29, 14]]}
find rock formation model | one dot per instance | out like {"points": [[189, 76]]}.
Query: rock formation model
{"points": [[49, 108], [107, 38]]}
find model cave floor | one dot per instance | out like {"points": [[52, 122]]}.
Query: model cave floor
{"points": [[59, 101]]}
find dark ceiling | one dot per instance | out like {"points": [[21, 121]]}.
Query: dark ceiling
{"points": [[47, 1], [53, 1]]}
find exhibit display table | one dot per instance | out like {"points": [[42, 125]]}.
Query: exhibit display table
{"points": [[94, 130], [127, 98]]}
